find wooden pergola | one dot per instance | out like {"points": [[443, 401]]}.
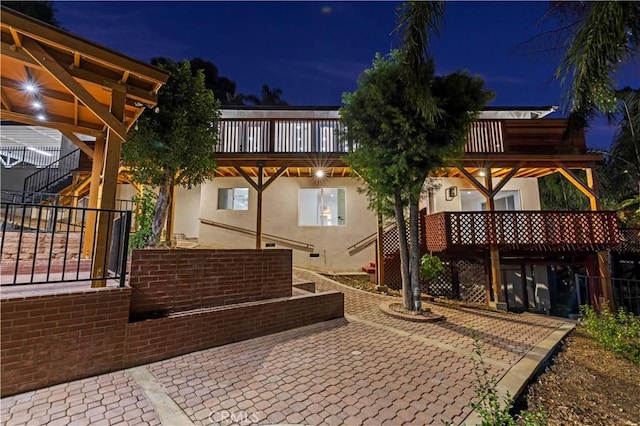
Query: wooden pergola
{"points": [[52, 78]]}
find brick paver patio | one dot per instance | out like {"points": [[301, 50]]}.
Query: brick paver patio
{"points": [[367, 369]]}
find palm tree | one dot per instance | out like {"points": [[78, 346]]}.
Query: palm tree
{"points": [[607, 34], [417, 22], [268, 97]]}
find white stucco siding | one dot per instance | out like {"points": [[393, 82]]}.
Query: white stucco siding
{"points": [[187, 205], [526, 188], [280, 219]]}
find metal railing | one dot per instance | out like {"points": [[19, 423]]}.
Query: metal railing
{"points": [[44, 179], [298, 245], [50, 198], [28, 156], [49, 243]]}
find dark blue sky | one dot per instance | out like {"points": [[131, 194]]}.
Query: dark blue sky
{"points": [[315, 51]]}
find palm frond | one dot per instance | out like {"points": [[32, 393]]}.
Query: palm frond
{"points": [[611, 32], [418, 21]]}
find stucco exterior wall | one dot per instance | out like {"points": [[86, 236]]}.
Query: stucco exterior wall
{"points": [[527, 188], [280, 218]]}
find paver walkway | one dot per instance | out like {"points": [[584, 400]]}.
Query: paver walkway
{"points": [[367, 369]]}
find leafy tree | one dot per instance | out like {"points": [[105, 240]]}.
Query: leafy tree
{"points": [[223, 88], [174, 146], [268, 97], [41, 10], [397, 147]]}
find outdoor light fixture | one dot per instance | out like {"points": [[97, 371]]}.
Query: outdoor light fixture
{"points": [[320, 173], [41, 117], [30, 87], [451, 193], [481, 173], [37, 104]]}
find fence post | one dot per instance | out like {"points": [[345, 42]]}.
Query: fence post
{"points": [[125, 247]]}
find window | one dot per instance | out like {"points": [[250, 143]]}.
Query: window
{"points": [[507, 203], [233, 199], [322, 207]]}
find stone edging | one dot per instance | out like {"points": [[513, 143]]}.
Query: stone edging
{"points": [[518, 376], [386, 308]]}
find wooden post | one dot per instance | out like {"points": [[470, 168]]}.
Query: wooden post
{"points": [[94, 190], [380, 253], [603, 256], [259, 210], [494, 251], [109, 186]]}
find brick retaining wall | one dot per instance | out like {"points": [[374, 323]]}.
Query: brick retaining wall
{"points": [[66, 335], [174, 280]]}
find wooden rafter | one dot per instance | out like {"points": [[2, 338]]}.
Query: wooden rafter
{"points": [[6, 104], [577, 182], [79, 143], [35, 50], [28, 119]]}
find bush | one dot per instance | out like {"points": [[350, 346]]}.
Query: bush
{"points": [[430, 267], [487, 404], [618, 332], [146, 203]]}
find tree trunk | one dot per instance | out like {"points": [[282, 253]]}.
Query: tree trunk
{"points": [[414, 244], [404, 250], [160, 211]]}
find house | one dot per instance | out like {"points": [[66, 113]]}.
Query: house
{"points": [[281, 182]]}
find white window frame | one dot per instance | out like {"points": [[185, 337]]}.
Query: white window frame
{"points": [[338, 224], [233, 199]]}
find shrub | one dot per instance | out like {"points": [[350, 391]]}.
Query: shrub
{"points": [[618, 332], [491, 410], [430, 267], [145, 202]]}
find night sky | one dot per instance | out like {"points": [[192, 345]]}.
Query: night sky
{"points": [[315, 51]]}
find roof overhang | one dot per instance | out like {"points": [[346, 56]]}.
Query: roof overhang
{"points": [[73, 77]]}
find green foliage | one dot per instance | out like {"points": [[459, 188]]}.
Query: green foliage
{"points": [[557, 193], [396, 146], [487, 405], [608, 36], [178, 142], [430, 267], [144, 218], [618, 332], [174, 146]]}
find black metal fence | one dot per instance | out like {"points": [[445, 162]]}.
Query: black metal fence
{"points": [[626, 292], [28, 156], [51, 243]]}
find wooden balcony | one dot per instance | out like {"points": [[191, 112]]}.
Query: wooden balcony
{"points": [[564, 231], [308, 136]]}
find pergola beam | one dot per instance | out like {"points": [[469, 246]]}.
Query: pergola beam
{"points": [[32, 121], [46, 61]]}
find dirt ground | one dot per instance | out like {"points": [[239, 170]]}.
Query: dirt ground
{"points": [[587, 385], [583, 385]]}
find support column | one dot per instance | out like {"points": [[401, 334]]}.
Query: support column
{"points": [[604, 268], [380, 253], [94, 190], [494, 251], [109, 187], [259, 210]]}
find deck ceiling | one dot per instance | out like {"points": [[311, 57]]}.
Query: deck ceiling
{"points": [[501, 165], [74, 79]]}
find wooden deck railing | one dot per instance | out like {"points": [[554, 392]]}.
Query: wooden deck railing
{"points": [[325, 136], [523, 230]]}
